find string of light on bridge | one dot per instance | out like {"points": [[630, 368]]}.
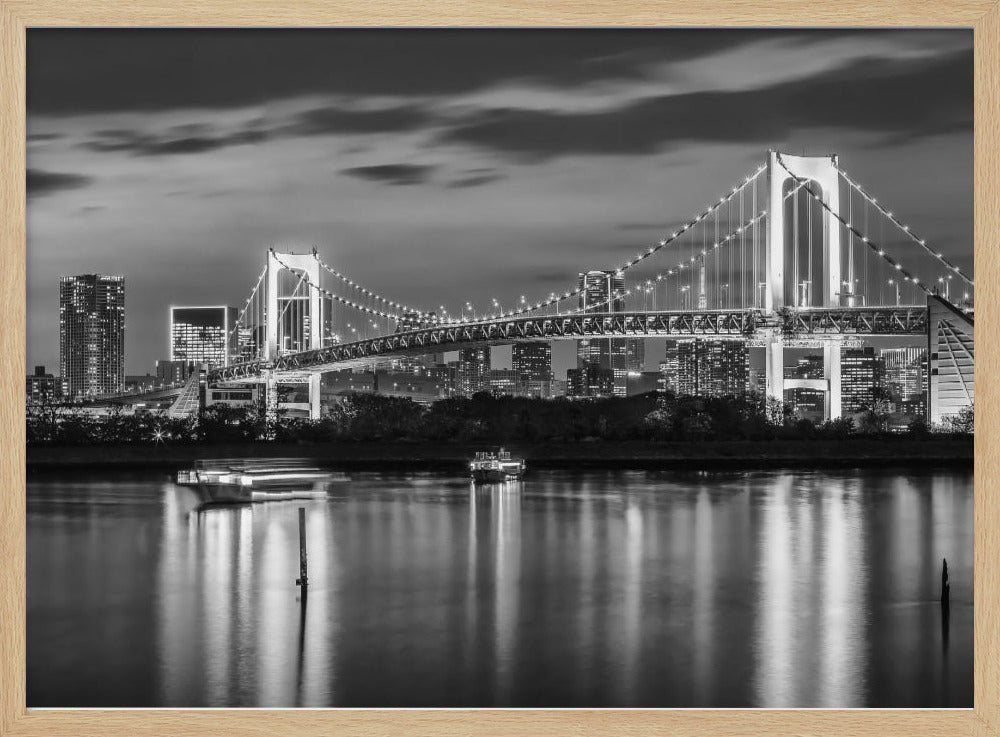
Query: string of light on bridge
{"points": [[902, 226], [681, 265], [639, 257], [246, 306], [423, 314]]}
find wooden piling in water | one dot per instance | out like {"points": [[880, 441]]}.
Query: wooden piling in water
{"points": [[945, 586], [303, 579]]}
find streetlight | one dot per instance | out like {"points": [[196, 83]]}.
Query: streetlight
{"points": [[896, 284]]}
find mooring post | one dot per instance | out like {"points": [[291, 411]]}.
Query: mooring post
{"points": [[945, 586], [303, 579]]}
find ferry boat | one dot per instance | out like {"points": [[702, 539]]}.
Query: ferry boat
{"points": [[220, 481], [493, 468]]}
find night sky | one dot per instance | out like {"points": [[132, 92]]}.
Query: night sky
{"points": [[438, 167]]}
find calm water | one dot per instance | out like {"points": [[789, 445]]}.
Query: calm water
{"points": [[593, 589]]}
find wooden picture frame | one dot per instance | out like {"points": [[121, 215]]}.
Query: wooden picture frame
{"points": [[17, 15]]}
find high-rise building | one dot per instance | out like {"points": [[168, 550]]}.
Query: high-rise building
{"points": [[92, 334], [809, 367], [712, 368], [203, 334], [589, 380], [669, 369], [532, 361], [604, 291], [473, 370], [859, 377], [905, 379], [504, 382]]}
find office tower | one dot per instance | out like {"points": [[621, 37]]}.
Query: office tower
{"points": [[603, 291], [532, 361], [635, 354], [712, 368], [859, 376], [809, 367], [203, 335], [905, 379], [589, 380], [503, 382], [92, 334], [473, 370], [669, 369]]}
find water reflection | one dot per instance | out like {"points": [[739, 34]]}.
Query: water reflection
{"points": [[595, 589]]}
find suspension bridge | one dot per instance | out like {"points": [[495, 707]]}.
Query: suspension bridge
{"points": [[796, 254]]}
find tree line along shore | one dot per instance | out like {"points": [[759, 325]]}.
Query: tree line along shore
{"points": [[365, 430]]}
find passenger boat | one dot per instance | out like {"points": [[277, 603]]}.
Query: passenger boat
{"points": [[493, 468], [220, 481]]}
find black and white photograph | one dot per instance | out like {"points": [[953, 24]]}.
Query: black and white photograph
{"points": [[511, 368]]}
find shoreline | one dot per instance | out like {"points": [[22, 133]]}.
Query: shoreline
{"points": [[611, 455]]}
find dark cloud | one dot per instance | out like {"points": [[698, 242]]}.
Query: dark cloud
{"points": [[86, 70], [907, 99], [475, 178], [327, 120], [41, 183], [33, 137], [394, 174], [174, 141]]}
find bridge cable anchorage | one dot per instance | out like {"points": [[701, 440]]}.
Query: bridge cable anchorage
{"points": [[720, 242], [423, 314], [905, 228], [874, 247]]}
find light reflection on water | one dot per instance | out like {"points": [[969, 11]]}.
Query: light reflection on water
{"points": [[586, 589]]}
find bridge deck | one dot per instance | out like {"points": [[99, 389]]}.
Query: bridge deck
{"points": [[719, 324]]}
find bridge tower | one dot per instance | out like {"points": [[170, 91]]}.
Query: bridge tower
{"points": [[304, 267], [822, 174]]}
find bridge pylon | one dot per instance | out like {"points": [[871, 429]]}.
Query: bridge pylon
{"points": [[294, 320], [822, 174]]}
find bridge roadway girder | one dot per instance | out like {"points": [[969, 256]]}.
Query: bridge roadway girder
{"points": [[719, 324]]}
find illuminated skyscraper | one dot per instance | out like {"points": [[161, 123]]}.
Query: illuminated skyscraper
{"points": [[473, 370], [92, 334], [603, 291], [712, 368], [859, 376], [203, 334], [532, 361]]}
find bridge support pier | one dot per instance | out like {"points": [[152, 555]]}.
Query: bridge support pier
{"points": [[831, 372], [314, 396], [774, 368]]}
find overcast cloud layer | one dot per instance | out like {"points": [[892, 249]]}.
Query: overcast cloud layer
{"points": [[446, 166]]}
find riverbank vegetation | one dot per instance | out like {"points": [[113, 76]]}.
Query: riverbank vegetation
{"points": [[480, 419]]}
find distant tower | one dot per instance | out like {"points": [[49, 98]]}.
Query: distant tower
{"points": [[92, 334]]}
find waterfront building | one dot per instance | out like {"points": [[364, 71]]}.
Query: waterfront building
{"points": [[204, 334], [173, 372], [905, 381], [92, 334], [473, 371]]}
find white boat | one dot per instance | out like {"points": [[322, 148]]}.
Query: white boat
{"points": [[493, 468], [220, 481]]}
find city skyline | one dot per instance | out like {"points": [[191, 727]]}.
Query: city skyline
{"points": [[151, 175]]}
